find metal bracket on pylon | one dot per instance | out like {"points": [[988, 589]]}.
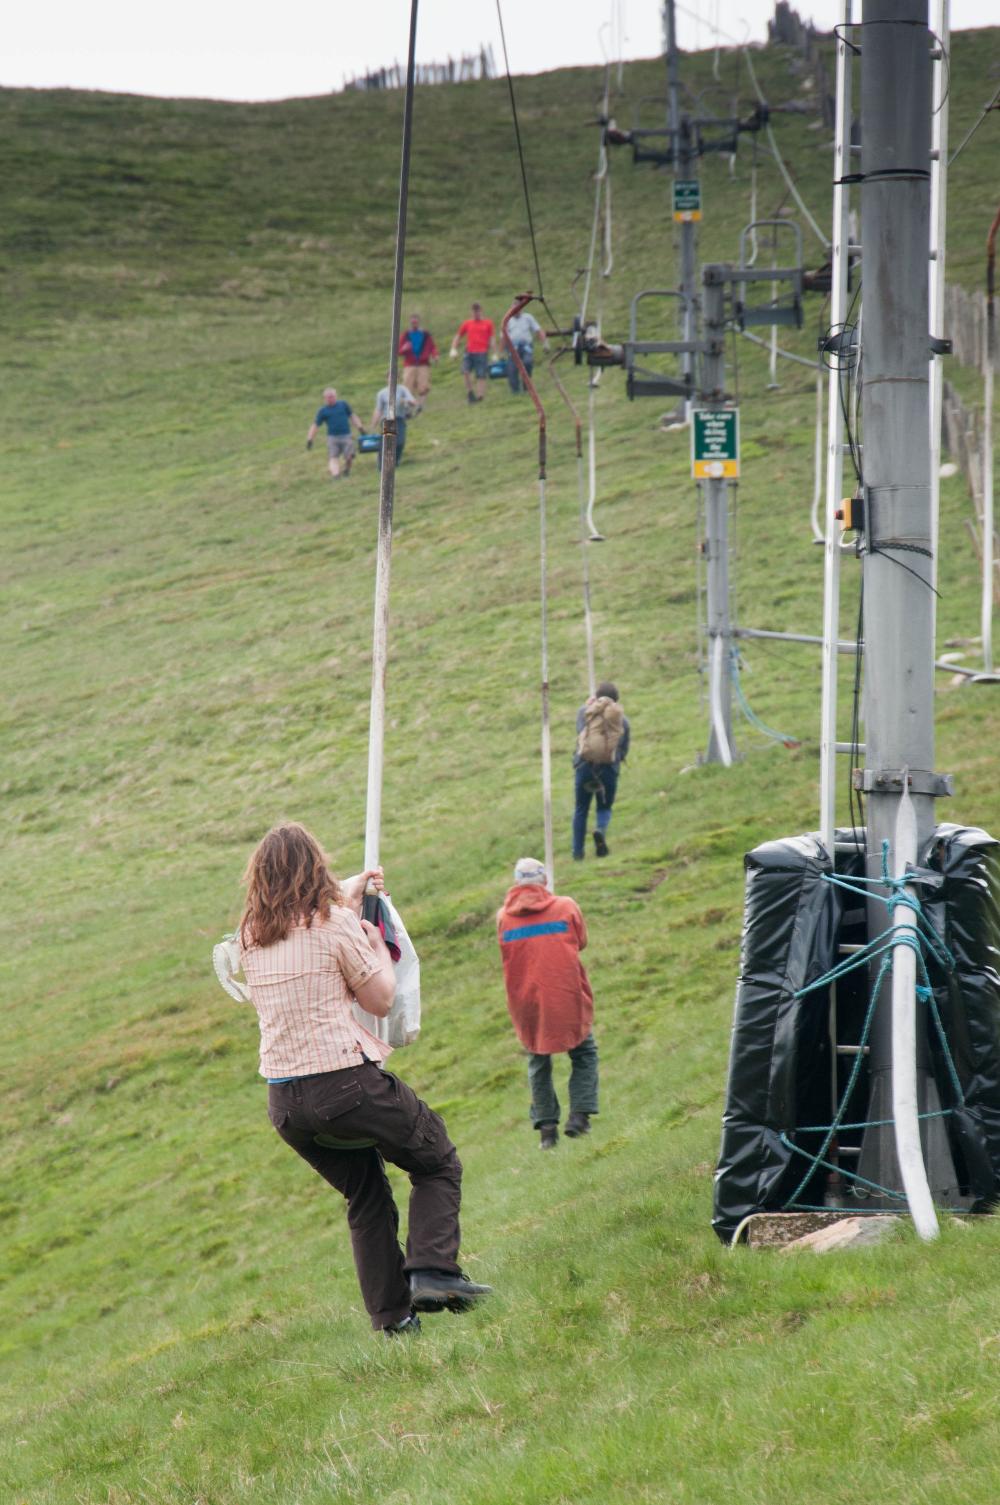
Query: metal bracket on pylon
{"points": [[890, 781]]}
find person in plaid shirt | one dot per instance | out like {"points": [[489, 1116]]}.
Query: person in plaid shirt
{"points": [[308, 957]]}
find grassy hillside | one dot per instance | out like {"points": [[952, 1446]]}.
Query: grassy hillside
{"points": [[186, 641]]}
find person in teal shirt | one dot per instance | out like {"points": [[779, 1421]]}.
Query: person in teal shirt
{"points": [[338, 416]]}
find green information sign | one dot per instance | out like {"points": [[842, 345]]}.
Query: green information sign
{"points": [[687, 199], [715, 444]]}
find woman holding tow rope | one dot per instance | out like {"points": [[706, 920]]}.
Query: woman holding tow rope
{"points": [[307, 956]]}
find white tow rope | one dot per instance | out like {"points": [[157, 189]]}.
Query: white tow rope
{"points": [[387, 488], [905, 1106], [521, 302]]}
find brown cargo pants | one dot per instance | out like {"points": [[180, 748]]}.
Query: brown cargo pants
{"points": [[364, 1103]]}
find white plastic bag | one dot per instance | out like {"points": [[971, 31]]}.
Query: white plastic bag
{"points": [[404, 1016], [226, 961], [401, 1025]]}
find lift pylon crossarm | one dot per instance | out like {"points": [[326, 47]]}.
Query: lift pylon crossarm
{"points": [[591, 349], [688, 137], [644, 383], [774, 312], [731, 125]]}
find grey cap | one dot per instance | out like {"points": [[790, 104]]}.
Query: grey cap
{"points": [[530, 870]]}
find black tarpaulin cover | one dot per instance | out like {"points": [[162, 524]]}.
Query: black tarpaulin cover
{"points": [[965, 912], [779, 1046], [779, 1064]]}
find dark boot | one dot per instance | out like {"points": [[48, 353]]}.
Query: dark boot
{"points": [[407, 1326], [548, 1136], [433, 1290], [577, 1124]]}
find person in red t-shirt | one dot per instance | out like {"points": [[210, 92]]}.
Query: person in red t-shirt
{"points": [[480, 343]]}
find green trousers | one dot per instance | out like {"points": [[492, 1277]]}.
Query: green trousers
{"points": [[582, 1083]]}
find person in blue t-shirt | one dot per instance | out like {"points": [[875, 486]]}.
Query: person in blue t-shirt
{"points": [[338, 417]]}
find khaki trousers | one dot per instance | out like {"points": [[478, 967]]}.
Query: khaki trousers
{"points": [[417, 379]]}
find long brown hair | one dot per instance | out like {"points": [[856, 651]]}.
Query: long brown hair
{"points": [[287, 881]]}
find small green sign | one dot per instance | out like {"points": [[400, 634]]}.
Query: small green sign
{"points": [[715, 444], [687, 199]]}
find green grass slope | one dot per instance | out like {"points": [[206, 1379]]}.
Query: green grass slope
{"points": [[186, 637]]}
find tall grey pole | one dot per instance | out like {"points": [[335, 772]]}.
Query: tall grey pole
{"points": [[897, 563], [673, 86], [840, 260], [684, 157], [686, 162], [941, 19], [715, 546]]}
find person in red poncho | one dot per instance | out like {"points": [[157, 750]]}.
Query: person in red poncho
{"points": [[549, 997]]}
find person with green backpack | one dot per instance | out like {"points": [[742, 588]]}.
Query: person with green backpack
{"points": [[602, 744]]}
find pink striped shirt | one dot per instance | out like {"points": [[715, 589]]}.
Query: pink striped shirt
{"points": [[303, 988]]}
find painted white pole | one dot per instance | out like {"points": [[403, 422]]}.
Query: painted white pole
{"points": [[592, 460], [905, 1110], [990, 358], [817, 531], [716, 668], [834, 447], [772, 378], [753, 205], [987, 509], [940, 23], [987, 606]]}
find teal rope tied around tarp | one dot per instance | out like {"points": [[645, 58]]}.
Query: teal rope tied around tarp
{"points": [[923, 938]]}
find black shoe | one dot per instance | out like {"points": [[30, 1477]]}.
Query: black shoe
{"points": [[549, 1137], [577, 1124], [577, 856], [600, 844], [433, 1290], [471, 396], [407, 1326]]}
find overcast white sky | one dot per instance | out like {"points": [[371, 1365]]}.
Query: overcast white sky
{"points": [[276, 49]]}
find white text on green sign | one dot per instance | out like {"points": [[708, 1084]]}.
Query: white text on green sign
{"points": [[715, 444], [687, 199]]}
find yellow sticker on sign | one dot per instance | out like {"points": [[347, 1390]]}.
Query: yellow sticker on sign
{"points": [[716, 470], [715, 444]]}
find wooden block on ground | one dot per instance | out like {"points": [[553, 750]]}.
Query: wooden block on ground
{"points": [[846, 1233]]}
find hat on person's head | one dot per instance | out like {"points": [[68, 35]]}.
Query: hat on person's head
{"points": [[530, 870], [607, 689]]}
